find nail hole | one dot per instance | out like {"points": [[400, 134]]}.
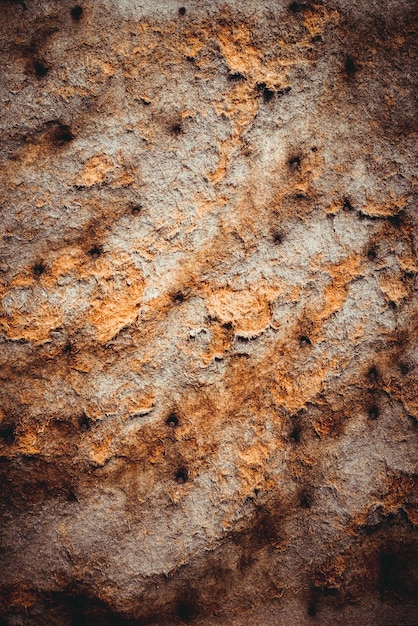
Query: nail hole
{"points": [[314, 149], [373, 412], [372, 374], [182, 475], [76, 12], [177, 129], [68, 348], [7, 434], [295, 434], [304, 341], [371, 254], [172, 420], [305, 499], [39, 269], [347, 206], [95, 252], [182, 11], [349, 66], [268, 94], [294, 163], [404, 367], [278, 238], [393, 305], [177, 297], [62, 135], [40, 68], [84, 423], [136, 210]]}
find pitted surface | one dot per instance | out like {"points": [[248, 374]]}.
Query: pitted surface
{"points": [[208, 404]]}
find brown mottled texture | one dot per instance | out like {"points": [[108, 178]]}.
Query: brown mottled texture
{"points": [[208, 331]]}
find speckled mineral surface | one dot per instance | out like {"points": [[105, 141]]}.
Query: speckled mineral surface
{"points": [[208, 331]]}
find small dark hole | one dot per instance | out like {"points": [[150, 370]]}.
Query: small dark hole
{"points": [[372, 374], [314, 149], [304, 341], [227, 325], [68, 348], [268, 95], [294, 163], [39, 269], [76, 12], [7, 433], [40, 69], [373, 412], [172, 420], [182, 11], [350, 66], [393, 305], [84, 423], [295, 435], [182, 476], [71, 497], [177, 129], [404, 367], [296, 7], [312, 610], [305, 499], [347, 206], [95, 252], [278, 238], [371, 254], [316, 39], [178, 297], [136, 210], [63, 135]]}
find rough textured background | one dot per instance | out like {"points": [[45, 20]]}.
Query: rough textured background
{"points": [[208, 351]]}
